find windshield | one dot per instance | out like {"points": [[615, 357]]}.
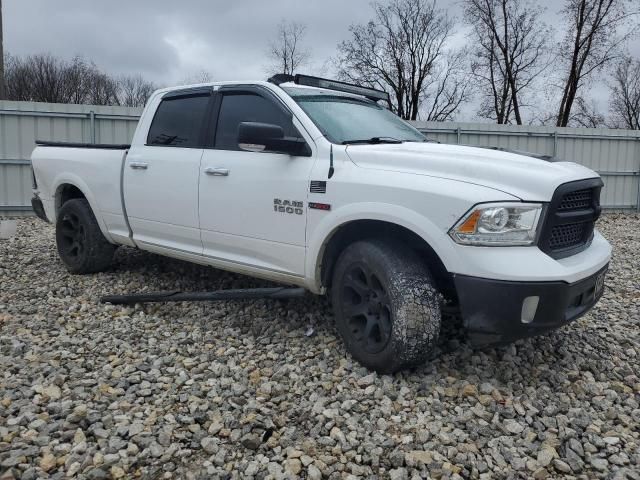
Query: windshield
{"points": [[348, 119]]}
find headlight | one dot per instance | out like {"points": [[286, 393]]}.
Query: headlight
{"points": [[498, 224]]}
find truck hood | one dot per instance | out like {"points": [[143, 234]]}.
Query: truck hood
{"points": [[525, 177]]}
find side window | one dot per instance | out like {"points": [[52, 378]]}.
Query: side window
{"points": [[178, 121], [246, 107]]}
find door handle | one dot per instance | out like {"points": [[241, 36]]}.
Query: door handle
{"points": [[217, 172], [138, 165]]}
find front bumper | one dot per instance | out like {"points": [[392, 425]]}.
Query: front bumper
{"points": [[492, 310]]}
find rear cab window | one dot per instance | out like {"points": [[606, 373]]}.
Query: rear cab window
{"points": [[178, 121]]}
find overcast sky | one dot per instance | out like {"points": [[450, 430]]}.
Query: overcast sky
{"points": [[167, 41]]}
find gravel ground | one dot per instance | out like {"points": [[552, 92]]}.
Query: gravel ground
{"points": [[238, 389]]}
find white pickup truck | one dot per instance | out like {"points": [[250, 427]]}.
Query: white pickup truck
{"points": [[312, 182]]}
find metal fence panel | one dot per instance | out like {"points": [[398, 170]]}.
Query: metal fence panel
{"points": [[615, 154], [22, 123]]}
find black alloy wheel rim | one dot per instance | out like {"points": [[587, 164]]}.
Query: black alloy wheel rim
{"points": [[366, 309], [73, 235]]}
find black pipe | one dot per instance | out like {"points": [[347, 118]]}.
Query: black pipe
{"points": [[177, 296]]}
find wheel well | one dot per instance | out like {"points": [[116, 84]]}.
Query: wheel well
{"points": [[367, 229], [67, 192]]}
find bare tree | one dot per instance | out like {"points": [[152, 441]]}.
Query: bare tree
{"points": [[625, 94], [201, 76], [45, 78], [286, 51], [592, 41], [134, 91], [103, 90], [2, 84], [17, 86], [404, 50], [77, 77], [46, 74], [83, 82], [40, 78], [586, 114], [447, 88], [494, 88], [511, 44]]}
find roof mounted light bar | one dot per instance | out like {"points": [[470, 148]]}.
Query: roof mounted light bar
{"points": [[309, 81], [279, 78]]}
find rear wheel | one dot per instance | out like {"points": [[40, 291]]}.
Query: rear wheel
{"points": [[81, 245], [386, 305]]}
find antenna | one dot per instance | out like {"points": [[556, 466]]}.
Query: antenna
{"points": [[331, 170]]}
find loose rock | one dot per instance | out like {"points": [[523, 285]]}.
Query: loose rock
{"points": [[195, 390]]}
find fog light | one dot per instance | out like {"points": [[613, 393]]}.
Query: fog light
{"points": [[529, 307]]}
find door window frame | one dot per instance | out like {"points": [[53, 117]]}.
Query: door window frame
{"points": [[265, 93], [186, 93]]}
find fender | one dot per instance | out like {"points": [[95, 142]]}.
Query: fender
{"points": [[76, 181], [402, 216]]}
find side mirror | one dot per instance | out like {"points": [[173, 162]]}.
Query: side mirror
{"points": [[258, 137]]}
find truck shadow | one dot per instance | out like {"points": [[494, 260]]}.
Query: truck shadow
{"points": [[282, 320]]}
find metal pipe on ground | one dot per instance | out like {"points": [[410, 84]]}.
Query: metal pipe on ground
{"points": [[276, 293]]}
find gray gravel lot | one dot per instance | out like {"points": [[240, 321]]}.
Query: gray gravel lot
{"points": [[237, 389]]}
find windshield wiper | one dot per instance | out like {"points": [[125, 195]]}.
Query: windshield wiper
{"points": [[426, 140], [373, 141]]}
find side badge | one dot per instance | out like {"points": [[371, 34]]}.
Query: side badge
{"points": [[318, 186], [320, 206], [288, 206]]}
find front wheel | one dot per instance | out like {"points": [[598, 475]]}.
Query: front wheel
{"points": [[81, 245], [386, 305]]}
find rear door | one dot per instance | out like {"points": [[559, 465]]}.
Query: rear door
{"points": [[253, 204], [161, 176]]}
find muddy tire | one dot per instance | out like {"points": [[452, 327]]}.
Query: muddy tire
{"points": [[386, 305], [81, 245]]}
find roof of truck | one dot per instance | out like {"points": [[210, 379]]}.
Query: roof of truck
{"points": [[212, 84], [288, 87], [298, 85]]}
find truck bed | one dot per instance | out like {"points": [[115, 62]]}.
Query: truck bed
{"points": [[96, 170]]}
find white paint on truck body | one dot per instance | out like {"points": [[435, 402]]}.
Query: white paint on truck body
{"points": [[175, 208]]}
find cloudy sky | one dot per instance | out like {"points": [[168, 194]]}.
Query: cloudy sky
{"points": [[167, 40]]}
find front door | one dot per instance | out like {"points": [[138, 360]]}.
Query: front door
{"points": [[253, 204], [161, 177]]}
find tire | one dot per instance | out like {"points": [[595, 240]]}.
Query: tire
{"points": [[386, 305], [81, 245]]}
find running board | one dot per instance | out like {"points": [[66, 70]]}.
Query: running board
{"points": [[218, 295]]}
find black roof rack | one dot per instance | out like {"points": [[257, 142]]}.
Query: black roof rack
{"points": [[310, 81]]}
